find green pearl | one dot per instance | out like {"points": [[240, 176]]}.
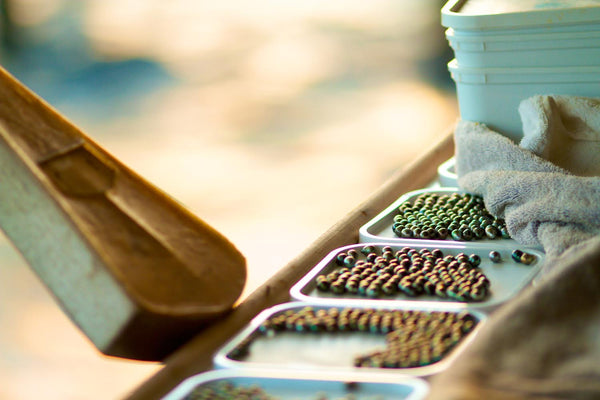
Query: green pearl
{"points": [[491, 232], [456, 235], [516, 255], [407, 233], [322, 283], [478, 232], [467, 234], [366, 250], [475, 260]]}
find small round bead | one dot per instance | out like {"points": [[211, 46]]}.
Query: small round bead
{"points": [[456, 235], [407, 233], [475, 260], [478, 232], [495, 256], [366, 250], [340, 258], [516, 255], [353, 253], [437, 253], [466, 234], [491, 232], [527, 258]]}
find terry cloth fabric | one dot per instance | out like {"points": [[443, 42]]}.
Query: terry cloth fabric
{"points": [[564, 130], [543, 204], [545, 343]]}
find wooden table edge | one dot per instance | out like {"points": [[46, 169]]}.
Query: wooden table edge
{"points": [[196, 355]]}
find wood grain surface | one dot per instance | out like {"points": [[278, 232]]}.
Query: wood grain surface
{"points": [[136, 271]]}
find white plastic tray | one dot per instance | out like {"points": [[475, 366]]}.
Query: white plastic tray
{"points": [[379, 229], [447, 176], [507, 278], [324, 352], [307, 386]]}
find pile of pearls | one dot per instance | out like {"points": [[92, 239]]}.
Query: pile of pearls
{"points": [[226, 390], [413, 338], [461, 217], [407, 271]]}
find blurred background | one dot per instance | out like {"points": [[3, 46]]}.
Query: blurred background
{"points": [[268, 119]]}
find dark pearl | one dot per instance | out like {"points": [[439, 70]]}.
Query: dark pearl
{"points": [[366, 250], [373, 291], [516, 255], [478, 232], [353, 253], [388, 288], [337, 287], [475, 260], [437, 253], [440, 290], [352, 287], [491, 232], [466, 234], [456, 235], [462, 257], [407, 233], [340, 258], [527, 258], [477, 295], [495, 256], [407, 289], [429, 288]]}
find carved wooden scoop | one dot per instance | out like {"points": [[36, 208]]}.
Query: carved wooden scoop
{"points": [[137, 272]]}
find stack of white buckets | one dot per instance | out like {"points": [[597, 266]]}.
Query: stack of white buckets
{"points": [[506, 51]]}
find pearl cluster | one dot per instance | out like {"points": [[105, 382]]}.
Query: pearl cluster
{"points": [[440, 216], [407, 271], [413, 338], [226, 390]]}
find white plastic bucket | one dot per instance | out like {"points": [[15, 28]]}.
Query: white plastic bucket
{"points": [[533, 50], [492, 95], [521, 15]]}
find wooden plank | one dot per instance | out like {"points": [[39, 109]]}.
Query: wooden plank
{"points": [[196, 356], [137, 272]]}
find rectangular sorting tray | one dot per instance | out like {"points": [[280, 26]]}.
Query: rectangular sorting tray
{"points": [[507, 277], [326, 352], [306, 386], [447, 176], [379, 229]]}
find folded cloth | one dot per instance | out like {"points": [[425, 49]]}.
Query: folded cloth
{"points": [[564, 130], [543, 204], [543, 345]]}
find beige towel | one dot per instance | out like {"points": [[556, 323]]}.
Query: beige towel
{"points": [[564, 130], [545, 343], [542, 204]]}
